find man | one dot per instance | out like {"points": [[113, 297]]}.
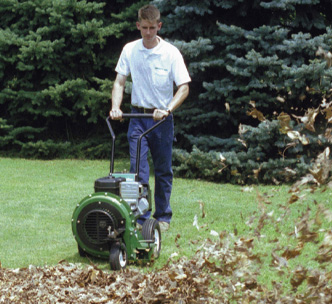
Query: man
{"points": [[154, 65]]}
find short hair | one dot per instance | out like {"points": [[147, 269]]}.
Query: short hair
{"points": [[149, 12]]}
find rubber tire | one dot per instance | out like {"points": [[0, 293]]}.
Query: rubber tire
{"points": [[118, 256], [151, 231]]}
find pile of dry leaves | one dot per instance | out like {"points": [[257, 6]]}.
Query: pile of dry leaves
{"points": [[68, 283]]}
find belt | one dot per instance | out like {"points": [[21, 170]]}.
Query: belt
{"points": [[143, 110]]}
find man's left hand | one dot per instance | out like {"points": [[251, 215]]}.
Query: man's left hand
{"points": [[160, 114]]}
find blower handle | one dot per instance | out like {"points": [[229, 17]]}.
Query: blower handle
{"points": [[138, 154], [137, 115]]}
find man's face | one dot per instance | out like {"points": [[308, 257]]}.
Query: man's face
{"points": [[149, 30]]}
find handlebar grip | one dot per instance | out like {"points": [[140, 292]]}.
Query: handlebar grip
{"points": [[137, 115], [134, 115]]}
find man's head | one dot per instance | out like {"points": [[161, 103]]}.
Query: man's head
{"points": [[149, 24], [149, 13]]}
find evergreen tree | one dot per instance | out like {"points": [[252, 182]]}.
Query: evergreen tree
{"points": [[242, 51], [248, 57], [57, 62]]}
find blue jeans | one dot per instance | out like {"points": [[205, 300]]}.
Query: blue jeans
{"points": [[159, 142]]}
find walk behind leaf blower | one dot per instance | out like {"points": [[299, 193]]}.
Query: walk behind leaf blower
{"points": [[104, 223]]}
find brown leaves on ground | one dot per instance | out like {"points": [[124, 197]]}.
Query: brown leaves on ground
{"points": [[182, 282]]}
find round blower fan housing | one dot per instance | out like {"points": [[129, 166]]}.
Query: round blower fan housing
{"points": [[96, 223]]}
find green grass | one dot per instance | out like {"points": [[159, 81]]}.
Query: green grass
{"points": [[38, 198]]}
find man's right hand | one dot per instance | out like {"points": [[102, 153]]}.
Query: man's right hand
{"points": [[116, 114]]}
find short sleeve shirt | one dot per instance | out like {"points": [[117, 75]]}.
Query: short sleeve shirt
{"points": [[153, 72]]}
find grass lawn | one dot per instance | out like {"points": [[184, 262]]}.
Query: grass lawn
{"points": [[38, 198]]}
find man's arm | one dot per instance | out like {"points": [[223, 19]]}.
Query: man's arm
{"points": [[179, 97], [117, 95]]}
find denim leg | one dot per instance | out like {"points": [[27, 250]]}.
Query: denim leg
{"points": [[160, 143], [136, 128]]}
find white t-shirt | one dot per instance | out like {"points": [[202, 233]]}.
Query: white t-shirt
{"points": [[153, 72]]}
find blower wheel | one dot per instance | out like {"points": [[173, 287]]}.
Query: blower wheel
{"points": [[118, 256], [151, 231]]}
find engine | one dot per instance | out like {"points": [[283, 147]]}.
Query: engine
{"points": [[135, 194]]}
